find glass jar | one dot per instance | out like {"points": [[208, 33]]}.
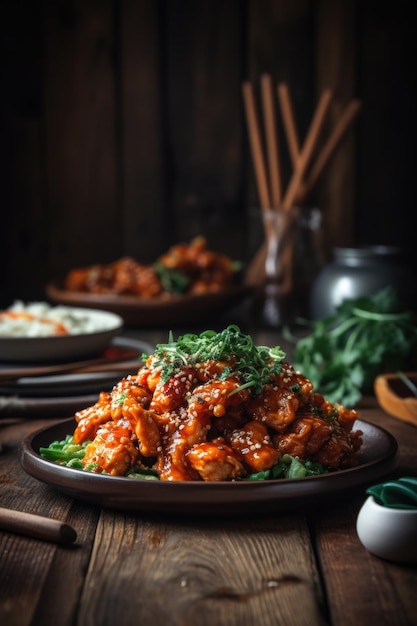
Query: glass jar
{"points": [[361, 271], [292, 247]]}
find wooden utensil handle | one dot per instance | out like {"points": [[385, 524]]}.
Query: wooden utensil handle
{"points": [[36, 526], [101, 364]]}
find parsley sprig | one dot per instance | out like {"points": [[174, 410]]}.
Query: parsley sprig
{"points": [[254, 365]]}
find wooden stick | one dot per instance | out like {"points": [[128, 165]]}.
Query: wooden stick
{"points": [[271, 140], [36, 526], [256, 145], [127, 358], [290, 125], [335, 137], [308, 148]]}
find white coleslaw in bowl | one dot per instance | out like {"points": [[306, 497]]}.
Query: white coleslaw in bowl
{"points": [[38, 331], [39, 319]]}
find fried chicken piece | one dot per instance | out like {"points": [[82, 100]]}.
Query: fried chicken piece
{"points": [[128, 387], [324, 441], [254, 446], [276, 407], [97, 279], [76, 280], [131, 277], [207, 269], [94, 279], [215, 461], [124, 273], [184, 257], [183, 430], [346, 417], [149, 376], [340, 450], [91, 418], [209, 369], [233, 419], [289, 378], [113, 449], [214, 398], [305, 437], [144, 425], [146, 282], [171, 394]]}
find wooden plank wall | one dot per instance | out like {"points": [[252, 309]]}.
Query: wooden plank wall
{"points": [[123, 131]]}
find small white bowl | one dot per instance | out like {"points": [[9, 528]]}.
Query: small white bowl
{"points": [[387, 532], [102, 327]]}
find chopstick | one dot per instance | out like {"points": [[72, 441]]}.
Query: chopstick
{"points": [[308, 148], [257, 266], [129, 359], [116, 368], [272, 195], [36, 526], [256, 145], [271, 140], [304, 158], [289, 122], [347, 118]]}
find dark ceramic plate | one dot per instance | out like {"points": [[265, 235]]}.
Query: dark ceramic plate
{"points": [[182, 309], [76, 384], [377, 457], [63, 395]]}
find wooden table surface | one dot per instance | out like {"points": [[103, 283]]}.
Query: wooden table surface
{"points": [[133, 568]]}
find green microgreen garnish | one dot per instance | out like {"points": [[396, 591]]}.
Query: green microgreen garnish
{"points": [[253, 365], [119, 400]]}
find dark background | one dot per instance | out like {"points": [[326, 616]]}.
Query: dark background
{"points": [[123, 130]]}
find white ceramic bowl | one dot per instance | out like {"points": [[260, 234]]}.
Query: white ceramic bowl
{"points": [[64, 347], [387, 532]]}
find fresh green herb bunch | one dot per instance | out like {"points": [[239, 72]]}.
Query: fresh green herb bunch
{"points": [[366, 336], [253, 364]]}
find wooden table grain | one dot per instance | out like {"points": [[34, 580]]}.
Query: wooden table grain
{"points": [[134, 568]]}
